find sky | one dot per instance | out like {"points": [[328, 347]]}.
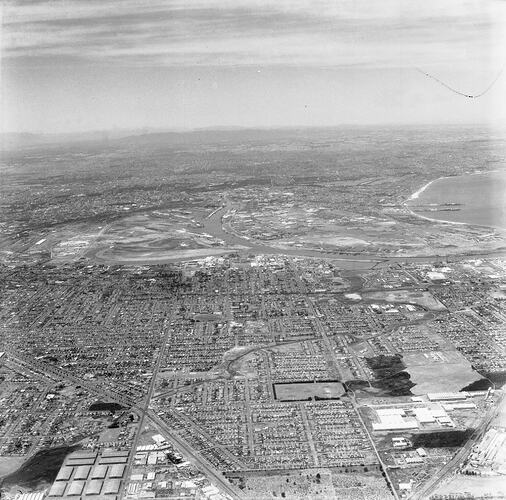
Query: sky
{"points": [[81, 65]]}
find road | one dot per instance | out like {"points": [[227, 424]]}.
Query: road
{"points": [[143, 409], [57, 374], [224, 451], [215, 476], [435, 481], [146, 414], [214, 225], [383, 466]]}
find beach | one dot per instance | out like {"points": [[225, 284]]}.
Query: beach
{"points": [[475, 199]]}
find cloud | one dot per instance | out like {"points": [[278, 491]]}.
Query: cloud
{"points": [[254, 32]]}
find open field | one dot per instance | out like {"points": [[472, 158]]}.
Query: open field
{"points": [[439, 371], [301, 391], [310, 484], [155, 237], [478, 486], [314, 484], [40, 470], [157, 257], [418, 297], [9, 464]]}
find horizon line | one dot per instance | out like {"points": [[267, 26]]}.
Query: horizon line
{"points": [[234, 128]]}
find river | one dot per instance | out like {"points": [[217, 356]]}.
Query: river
{"points": [[215, 226]]}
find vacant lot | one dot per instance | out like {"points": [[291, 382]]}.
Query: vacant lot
{"points": [[418, 297], [439, 371]]}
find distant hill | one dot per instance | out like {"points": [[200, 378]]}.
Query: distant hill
{"points": [[12, 141], [143, 137], [216, 136]]}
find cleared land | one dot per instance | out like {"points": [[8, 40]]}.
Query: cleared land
{"points": [[478, 486], [313, 484], [439, 371], [417, 297], [155, 238], [9, 464]]}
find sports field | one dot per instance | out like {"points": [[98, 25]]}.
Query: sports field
{"points": [[302, 391]]}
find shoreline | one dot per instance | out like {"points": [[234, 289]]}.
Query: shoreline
{"points": [[417, 194]]}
